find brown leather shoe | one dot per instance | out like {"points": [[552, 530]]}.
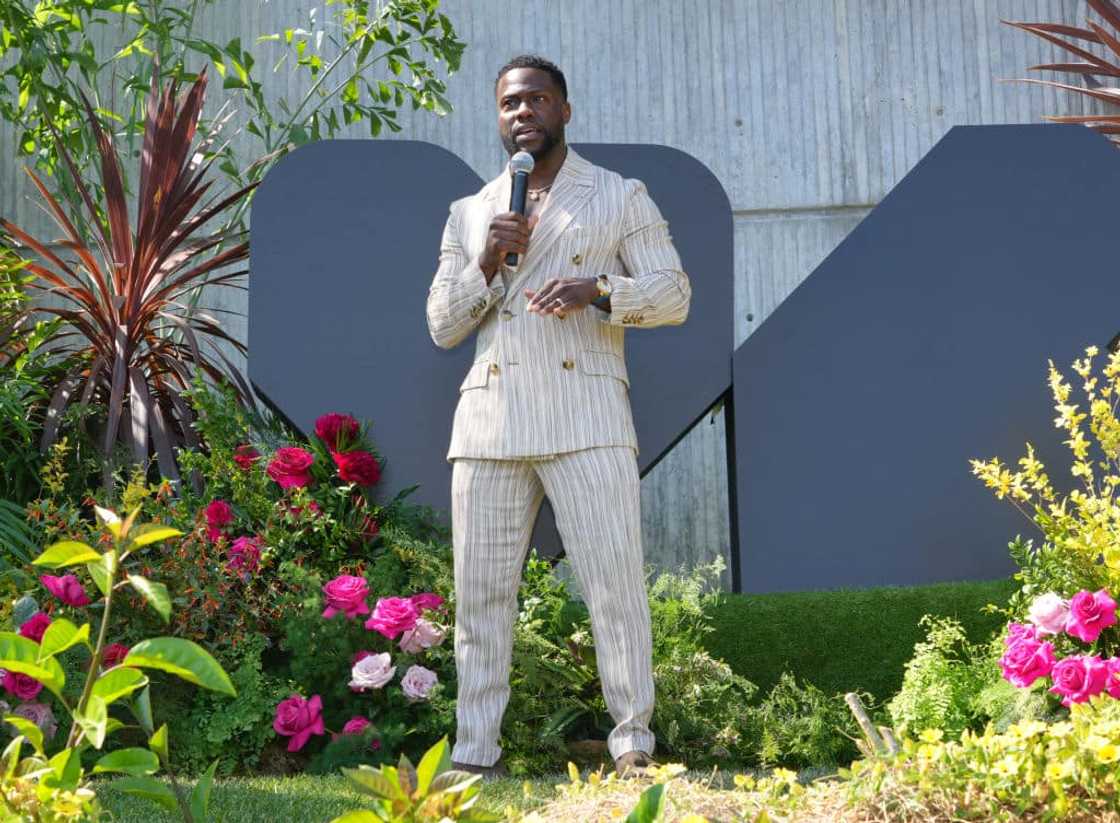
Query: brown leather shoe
{"points": [[633, 763], [494, 772]]}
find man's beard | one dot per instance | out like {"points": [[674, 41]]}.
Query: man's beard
{"points": [[549, 141]]}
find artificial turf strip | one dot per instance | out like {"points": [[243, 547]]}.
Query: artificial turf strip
{"points": [[843, 640]]}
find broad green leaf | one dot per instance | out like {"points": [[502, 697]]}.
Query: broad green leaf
{"points": [[66, 553], [200, 797], [142, 709], [60, 635], [182, 658], [94, 721], [453, 781], [155, 593], [67, 770], [110, 519], [117, 682], [158, 744], [133, 761], [359, 816], [437, 759], [148, 788], [103, 569], [374, 782], [28, 729], [649, 806], [112, 726], [11, 755], [152, 533], [18, 654]]}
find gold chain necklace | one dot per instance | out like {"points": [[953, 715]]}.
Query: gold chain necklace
{"points": [[535, 194]]}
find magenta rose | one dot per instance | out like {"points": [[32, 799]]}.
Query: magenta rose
{"points": [[392, 616], [1026, 660], [113, 654], [291, 467], [66, 588], [356, 725], [1112, 682], [1090, 614], [219, 514], [22, 686], [347, 594], [357, 467], [1079, 677], [245, 456], [245, 554], [34, 627], [299, 719], [1018, 631], [427, 600], [336, 430]]}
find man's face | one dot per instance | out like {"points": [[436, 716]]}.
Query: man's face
{"points": [[531, 112]]}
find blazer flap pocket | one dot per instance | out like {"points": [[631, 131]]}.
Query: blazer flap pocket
{"points": [[604, 363], [477, 377]]}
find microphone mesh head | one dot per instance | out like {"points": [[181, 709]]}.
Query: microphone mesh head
{"points": [[522, 161]]}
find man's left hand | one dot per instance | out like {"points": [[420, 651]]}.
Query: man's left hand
{"points": [[561, 295]]}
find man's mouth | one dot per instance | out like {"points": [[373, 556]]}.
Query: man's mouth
{"points": [[527, 131]]}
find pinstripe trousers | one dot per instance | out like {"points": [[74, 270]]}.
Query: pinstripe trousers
{"points": [[594, 494]]}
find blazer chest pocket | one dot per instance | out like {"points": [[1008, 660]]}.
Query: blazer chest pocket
{"points": [[477, 377], [605, 364]]}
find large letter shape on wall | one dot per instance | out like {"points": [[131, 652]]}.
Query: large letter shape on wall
{"points": [[920, 342], [345, 238]]}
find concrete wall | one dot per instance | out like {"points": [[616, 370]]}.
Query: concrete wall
{"points": [[808, 111]]}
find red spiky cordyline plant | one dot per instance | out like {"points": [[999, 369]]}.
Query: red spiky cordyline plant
{"points": [[132, 342], [1089, 67]]}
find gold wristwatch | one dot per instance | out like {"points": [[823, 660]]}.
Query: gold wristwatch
{"points": [[603, 284]]}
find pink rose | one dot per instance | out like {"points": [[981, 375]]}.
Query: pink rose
{"points": [[245, 456], [1112, 683], [66, 588], [423, 635], [418, 682], [41, 715], [336, 430], [1026, 660], [113, 654], [34, 627], [219, 514], [1079, 677], [22, 686], [245, 554], [356, 725], [427, 600], [1090, 614], [347, 594], [393, 615], [357, 467], [1049, 612], [299, 719], [291, 467], [371, 672], [1018, 631]]}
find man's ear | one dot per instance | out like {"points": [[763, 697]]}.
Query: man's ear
{"points": [[567, 112]]}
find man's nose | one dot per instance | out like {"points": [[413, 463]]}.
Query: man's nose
{"points": [[523, 110]]}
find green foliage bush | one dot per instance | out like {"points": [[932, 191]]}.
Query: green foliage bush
{"points": [[800, 726]]}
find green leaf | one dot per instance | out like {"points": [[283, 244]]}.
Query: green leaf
{"points": [[18, 654], [110, 519], [134, 761], [66, 553], [141, 708], [158, 744], [200, 797], [182, 658], [359, 816], [11, 756], [28, 729], [67, 770], [371, 781], [103, 569], [60, 635], [152, 533], [155, 593], [650, 805], [437, 759], [118, 682], [148, 788], [94, 721]]}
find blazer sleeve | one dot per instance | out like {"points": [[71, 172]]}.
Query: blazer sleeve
{"points": [[658, 292], [459, 296]]}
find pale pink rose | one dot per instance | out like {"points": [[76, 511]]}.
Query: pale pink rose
{"points": [[392, 616], [1112, 685], [423, 635], [1049, 612], [1090, 614], [1026, 660], [41, 715], [418, 682], [299, 719], [1017, 631], [1079, 677], [371, 672], [427, 600], [347, 594], [361, 654]]}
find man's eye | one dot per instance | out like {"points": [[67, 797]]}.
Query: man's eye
{"points": [[538, 98]]}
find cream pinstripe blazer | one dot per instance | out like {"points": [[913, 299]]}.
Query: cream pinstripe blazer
{"points": [[542, 385]]}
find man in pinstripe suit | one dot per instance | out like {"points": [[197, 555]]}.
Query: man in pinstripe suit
{"points": [[545, 408]]}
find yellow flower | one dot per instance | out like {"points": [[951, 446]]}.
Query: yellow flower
{"points": [[931, 736], [1108, 753]]}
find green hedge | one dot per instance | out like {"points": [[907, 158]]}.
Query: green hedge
{"points": [[843, 640]]}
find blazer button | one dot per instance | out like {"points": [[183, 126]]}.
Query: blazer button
{"points": [[568, 364], [577, 259], [493, 368], [506, 314]]}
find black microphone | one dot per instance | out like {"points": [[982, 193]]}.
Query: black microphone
{"points": [[520, 165]]}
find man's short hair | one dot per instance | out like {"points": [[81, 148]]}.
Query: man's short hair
{"points": [[533, 61]]}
